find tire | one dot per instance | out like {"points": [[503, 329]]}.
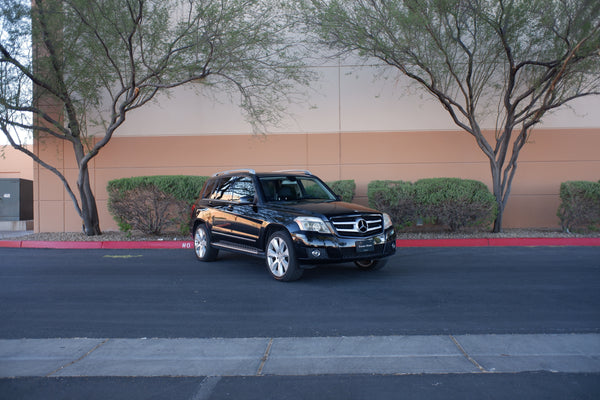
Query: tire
{"points": [[202, 248], [370, 265], [281, 257]]}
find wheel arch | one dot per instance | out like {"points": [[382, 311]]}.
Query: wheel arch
{"points": [[269, 231], [197, 223]]}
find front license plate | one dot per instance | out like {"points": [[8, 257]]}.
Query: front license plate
{"points": [[365, 246]]}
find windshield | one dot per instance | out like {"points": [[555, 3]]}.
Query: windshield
{"points": [[295, 188]]}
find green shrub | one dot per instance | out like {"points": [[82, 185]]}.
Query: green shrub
{"points": [[153, 204], [344, 188], [455, 202], [182, 187], [397, 198], [580, 205]]}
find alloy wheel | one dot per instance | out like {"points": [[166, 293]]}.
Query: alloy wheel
{"points": [[278, 256], [200, 242]]}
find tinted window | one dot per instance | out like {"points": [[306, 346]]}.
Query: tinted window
{"points": [[222, 190], [210, 187], [313, 189], [243, 190], [234, 188]]}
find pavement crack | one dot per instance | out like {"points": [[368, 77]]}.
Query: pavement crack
{"points": [[264, 358], [79, 359], [471, 359]]}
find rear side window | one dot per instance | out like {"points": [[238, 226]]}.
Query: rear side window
{"points": [[222, 190], [234, 188], [209, 188]]}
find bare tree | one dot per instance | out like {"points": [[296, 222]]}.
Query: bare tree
{"points": [[94, 61], [517, 59]]}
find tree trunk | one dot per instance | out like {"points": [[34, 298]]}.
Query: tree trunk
{"points": [[498, 222], [497, 190], [89, 209]]}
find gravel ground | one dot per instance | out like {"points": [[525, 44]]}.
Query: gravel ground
{"points": [[427, 233]]}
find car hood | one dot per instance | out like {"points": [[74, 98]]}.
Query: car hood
{"points": [[329, 209]]}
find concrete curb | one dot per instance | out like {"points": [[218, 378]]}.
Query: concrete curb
{"points": [[183, 244]]}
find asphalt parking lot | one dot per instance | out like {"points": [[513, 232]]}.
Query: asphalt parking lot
{"points": [[453, 321]]}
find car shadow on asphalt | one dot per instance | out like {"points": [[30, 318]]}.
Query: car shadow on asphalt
{"points": [[322, 272]]}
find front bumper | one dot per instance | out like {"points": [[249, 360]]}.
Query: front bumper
{"points": [[315, 248]]}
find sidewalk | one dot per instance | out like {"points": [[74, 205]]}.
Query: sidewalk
{"points": [[472, 354], [10, 234]]}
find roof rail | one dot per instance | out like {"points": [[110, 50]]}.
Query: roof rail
{"points": [[304, 171], [251, 171]]}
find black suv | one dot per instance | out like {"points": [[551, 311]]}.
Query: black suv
{"points": [[291, 218]]}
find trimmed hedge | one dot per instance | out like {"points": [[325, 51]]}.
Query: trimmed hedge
{"points": [[397, 198], [453, 202], [580, 205], [154, 204], [344, 188], [182, 187]]}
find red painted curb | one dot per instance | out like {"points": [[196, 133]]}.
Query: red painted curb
{"points": [[10, 243], [498, 242], [175, 244], [33, 244], [179, 244], [545, 242], [442, 243]]}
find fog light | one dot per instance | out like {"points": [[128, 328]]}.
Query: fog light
{"points": [[316, 253]]}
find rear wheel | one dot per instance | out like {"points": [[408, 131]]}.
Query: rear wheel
{"points": [[204, 251], [370, 265], [281, 257]]}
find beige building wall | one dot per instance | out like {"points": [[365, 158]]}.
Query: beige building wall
{"points": [[15, 164], [351, 126], [551, 157]]}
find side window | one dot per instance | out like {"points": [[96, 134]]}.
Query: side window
{"points": [[243, 190], [210, 187], [311, 189], [269, 187], [222, 190], [234, 188]]}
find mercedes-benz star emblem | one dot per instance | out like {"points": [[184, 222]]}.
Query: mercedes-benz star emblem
{"points": [[361, 225]]}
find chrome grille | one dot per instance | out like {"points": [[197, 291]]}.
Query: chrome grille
{"points": [[358, 224]]}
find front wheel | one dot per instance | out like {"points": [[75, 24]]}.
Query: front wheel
{"points": [[370, 265], [281, 257], [204, 251]]}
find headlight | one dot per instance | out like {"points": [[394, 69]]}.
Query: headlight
{"points": [[387, 221], [313, 224]]}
